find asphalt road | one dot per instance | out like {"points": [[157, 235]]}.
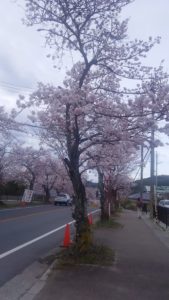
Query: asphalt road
{"points": [[22, 239]]}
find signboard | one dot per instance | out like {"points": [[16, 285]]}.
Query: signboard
{"points": [[27, 196]]}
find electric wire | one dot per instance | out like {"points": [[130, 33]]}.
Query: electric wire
{"points": [[16, 88], [145, 160]]}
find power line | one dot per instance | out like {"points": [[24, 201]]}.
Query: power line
{"points": [[145, 159], [15, 85], [15, 88]]}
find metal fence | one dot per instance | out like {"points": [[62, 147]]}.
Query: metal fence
{"points": [[10, 198], [15, 199], [162, 215]]}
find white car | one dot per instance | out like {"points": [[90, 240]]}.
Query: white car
{"points": [[63, 199], [164, 203]]}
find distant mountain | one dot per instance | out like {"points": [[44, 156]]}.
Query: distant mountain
{"points": [[91, 184], [162, 180]]}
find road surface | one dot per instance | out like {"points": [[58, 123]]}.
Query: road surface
{"points": [[26, 234]]}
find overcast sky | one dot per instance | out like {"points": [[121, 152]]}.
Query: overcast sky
{"points": [[23, 60]]}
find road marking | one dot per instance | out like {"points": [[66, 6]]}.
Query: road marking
{"points": [[38, 238], [33, 241], [23, 217], [18, 208]]}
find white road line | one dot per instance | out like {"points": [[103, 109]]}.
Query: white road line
{"points": [[38, 238], [32, 241], [18, 208]]}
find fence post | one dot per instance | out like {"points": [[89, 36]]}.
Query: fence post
{"points": [[167, 213]]}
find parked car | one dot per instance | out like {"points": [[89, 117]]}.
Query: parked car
{"points": [[164, 203], [63, 199]]}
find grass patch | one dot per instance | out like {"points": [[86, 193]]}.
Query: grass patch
{"points": [[128, 204], [111, 223], [119, 210], [95, 255]]}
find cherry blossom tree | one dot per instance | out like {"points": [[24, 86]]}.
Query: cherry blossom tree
{"points": [[68, 126], [4, 121], [73, 122], [93, 30], [38, 169], [52, 176], [7, 126], [25, 163], [157, 99], [113, 163], [4, 162], [7, 142], [89, 109]]}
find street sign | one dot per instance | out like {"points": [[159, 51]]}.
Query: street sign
{"points": [[27, 196]]}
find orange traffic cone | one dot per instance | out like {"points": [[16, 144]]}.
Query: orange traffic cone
{"points": [[67, 241], [90, 220]]}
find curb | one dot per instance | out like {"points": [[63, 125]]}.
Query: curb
{"points": [[27, 284], [18, 286], [37, 287], [158, 230]]}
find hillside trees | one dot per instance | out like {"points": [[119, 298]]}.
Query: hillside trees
{"points": [[13, 187]]}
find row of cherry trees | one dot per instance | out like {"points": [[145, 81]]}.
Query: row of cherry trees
{"points": [[93, 121], [38, 170], [90, 130]]}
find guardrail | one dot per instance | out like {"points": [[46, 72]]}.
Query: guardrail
{"points": [[162, 215]]}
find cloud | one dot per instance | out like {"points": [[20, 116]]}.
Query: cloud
{"points": [[150, 18], [22, 54], [12, 74], [23, 59]]}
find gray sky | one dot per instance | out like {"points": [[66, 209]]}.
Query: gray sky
{"points": [[23, 58]]}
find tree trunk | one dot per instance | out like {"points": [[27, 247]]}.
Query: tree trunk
{"points": [[113, 201], [47, 193], [80, 202], [32, 181], [103, 202], [83, 232]]}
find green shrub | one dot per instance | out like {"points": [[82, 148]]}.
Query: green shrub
{"points": [[128, 204], [110, 223]]}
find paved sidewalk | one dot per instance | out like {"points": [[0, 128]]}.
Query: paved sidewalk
{"points": [[141, 270]]}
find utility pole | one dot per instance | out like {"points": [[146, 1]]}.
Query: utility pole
{"points": [[152, 185], [141, 172], [156, 180], [152, 146]]}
